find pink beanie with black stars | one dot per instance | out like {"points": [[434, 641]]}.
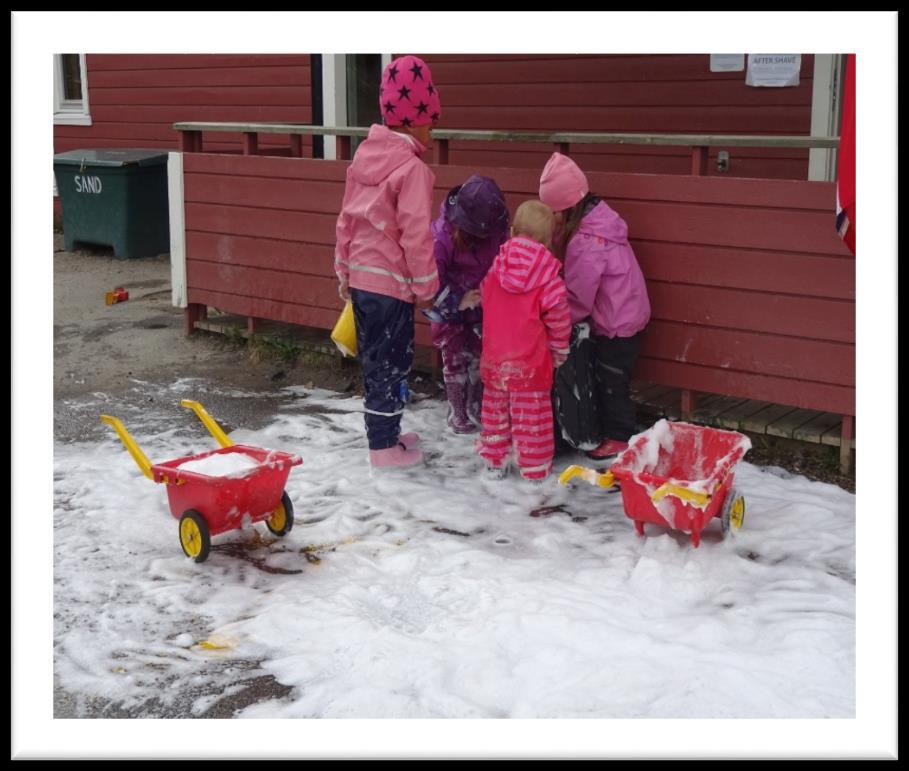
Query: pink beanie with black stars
{"points": [[408, 96]]}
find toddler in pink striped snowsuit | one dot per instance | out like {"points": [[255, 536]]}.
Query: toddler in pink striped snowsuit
{"points": [[526, 329]]}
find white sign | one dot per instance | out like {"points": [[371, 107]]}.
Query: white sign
{"points": [[727, 62], [773, 70], [88, 184]]}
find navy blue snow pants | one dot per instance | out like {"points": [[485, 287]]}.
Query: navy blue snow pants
{"points": [[385, 350]]}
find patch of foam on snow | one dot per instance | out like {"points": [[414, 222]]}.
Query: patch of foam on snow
{"points": [[230, 464]]}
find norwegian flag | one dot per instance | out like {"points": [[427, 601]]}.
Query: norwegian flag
{"points": [[845, 175]]}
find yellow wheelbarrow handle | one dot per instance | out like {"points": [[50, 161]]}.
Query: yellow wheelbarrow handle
{"points": [[213, 428], [588, 475], [140, 457], [679, 492]]}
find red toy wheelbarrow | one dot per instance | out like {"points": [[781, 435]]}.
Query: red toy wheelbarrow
{"points": [[207, 504], [677, 475]]}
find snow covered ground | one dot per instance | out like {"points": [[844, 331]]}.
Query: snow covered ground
{"points": [[438, 593]]}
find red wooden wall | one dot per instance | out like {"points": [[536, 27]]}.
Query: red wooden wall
{"points": [[260, 236], [625, 93], [753, 294], [134, 99]]}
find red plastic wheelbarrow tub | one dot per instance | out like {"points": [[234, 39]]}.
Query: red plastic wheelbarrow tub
{"points": [[680, 475], [227, 502], [207, 504]]}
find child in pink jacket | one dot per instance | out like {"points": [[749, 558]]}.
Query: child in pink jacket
{"points": [[384, 253], [605, 287], [526, 327]]}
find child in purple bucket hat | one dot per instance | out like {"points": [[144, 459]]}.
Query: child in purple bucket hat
{"points": [[472, 225]]}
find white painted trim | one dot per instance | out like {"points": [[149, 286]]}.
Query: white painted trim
{"points": [[334, 97], [825, 99], [177, 229], [71, 114], [72, 119]]}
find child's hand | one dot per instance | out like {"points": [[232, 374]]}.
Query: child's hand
{"points": [[470, 299], [343, 291], [558, 359]]}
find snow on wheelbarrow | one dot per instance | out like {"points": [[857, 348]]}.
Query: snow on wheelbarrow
{"points": [[676, 475], [220, 490]]}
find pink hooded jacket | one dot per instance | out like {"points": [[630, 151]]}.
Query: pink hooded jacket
{"points": [[603, 277], [525, 317], [384, 243]]}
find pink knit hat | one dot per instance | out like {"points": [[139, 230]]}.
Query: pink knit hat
{"points": [[562, 183], [407, 96]]}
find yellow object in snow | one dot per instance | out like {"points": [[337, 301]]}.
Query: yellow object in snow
{"points": [[345, 332], [588, 475], [696, 497], [216, 643]]}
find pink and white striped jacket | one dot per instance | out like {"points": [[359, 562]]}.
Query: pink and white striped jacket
{"points": [[525, 317], [384, 243]]}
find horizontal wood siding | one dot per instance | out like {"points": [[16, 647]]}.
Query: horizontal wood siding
{"points": [[134, 99], [674, 93], [753, 294]]}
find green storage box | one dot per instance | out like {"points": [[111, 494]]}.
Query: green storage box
{"points": [[115, 198]]}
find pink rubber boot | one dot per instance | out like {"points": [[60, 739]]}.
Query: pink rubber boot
{"points": [[410, 441], [398, 455]]}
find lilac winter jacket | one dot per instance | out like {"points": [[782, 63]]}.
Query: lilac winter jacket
{"points": [[603, 278], [459, 272], [383, 239]]}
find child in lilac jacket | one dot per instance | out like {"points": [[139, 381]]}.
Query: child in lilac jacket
{"points": [[472, 224], [605, 287]]}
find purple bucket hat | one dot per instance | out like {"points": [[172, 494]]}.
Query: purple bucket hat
{"points": [[408, 96], [477, 207]]}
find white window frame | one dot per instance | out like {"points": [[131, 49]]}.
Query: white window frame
{"points": [[827, 93], [334, 98], [334, 94], [70, 112]]}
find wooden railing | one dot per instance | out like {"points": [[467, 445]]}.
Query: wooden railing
{"points": [[191, 139]]}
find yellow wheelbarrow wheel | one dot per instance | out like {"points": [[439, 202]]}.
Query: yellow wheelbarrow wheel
{"points": [[733, 511], [282, 518], [194, 535]]}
